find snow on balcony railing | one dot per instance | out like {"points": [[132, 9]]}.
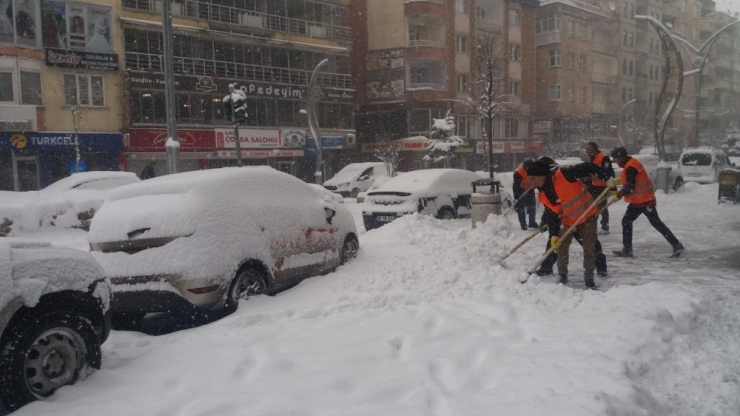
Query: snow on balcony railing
{"points": [[426, 86], [579, 4], [420, 43], [546, 38]]}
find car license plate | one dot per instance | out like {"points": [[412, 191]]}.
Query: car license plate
{"points": [[386, 218], [694, 174]]}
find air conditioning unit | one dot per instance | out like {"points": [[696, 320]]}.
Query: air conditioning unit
{"points": [[317, 31], [251, 20]]}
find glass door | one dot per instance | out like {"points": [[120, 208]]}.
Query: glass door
{"points": [[25, 173]]}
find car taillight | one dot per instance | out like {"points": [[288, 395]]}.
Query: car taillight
{"points": [[202, 290]]}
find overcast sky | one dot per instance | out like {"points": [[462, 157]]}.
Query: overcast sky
{"points": [[723, 5]]}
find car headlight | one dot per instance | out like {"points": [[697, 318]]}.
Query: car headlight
{"points": [[344, 184]]}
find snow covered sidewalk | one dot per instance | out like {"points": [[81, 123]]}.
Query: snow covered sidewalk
{"points": [[429, 321]]}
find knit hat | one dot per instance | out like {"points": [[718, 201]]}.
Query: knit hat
{"points": [[538, 168]]}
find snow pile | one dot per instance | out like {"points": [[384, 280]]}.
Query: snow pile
{"points": [[30, 270]]}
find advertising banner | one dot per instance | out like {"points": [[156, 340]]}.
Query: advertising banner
{"points": [[78, 35], [76, 59], [260, 154], [155, 139], [249, 139], [385, 75]]}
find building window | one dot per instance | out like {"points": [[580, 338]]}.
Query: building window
{"points": [[462, 83], [462, 44], [582, 63], [624, 67], [555, 92], [515, 52], [6, 87], [571, 28], [554, 57], [480, 13], [461, 6], [583, 94], [462, 125], [624, 38], [571, 93], [85, 90], [624, 94], [514, 87], [630, 96], [631, 39], [584, 32], [547, 23], [511, 127], [697, 11], [31, 88], [571, 60], [514, 19], [632, 68]]}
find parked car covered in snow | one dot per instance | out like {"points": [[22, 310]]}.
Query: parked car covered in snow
{"points": [[703, 165], [650, 163], [53, 319], [444, 193], [355, 178], [376, 184], [206, 239], [67, 203]]}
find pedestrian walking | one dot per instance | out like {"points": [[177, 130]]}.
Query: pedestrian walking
{"points": [[148, 171], [565, 195], [637, 190], [595, 185], [525, 206]]}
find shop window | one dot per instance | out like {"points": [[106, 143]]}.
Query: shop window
{"points": [[6, 87], [511, 127], [84, 90], [31, 88]]}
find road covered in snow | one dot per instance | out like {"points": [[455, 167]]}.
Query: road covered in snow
{"points": [[429, 321]]}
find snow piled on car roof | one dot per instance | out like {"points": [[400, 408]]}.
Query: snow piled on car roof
{"points": [[430, 181], [77, 179]]}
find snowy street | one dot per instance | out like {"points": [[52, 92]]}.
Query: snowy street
{"points": [[428, 320]]}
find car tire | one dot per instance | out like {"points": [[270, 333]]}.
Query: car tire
{"points": [[446, 213], [350, 247], [677, 184], [247, 282], [354, 193], [45, 353]]}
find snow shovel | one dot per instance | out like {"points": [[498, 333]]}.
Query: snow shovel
{"points": [[517, 201], [570, 230], [534, 234]]}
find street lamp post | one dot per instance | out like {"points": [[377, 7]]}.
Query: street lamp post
{"points": [[173, 151], [619, 120], [313, 121]]}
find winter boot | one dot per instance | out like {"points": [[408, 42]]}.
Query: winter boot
{"points": [[603, 231], [533, 225], [563, 279], [524, 227], [590, 283], [543, 272], [602, 273], [677, 250], [623, 252]]}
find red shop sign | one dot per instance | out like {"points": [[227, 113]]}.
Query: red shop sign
{"points": [[151, 139]]}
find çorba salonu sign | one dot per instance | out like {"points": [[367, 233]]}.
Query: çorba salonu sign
{"points": [[80, 59]]}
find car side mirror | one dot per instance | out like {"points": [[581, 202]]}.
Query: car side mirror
{"points": [[329, 211]]}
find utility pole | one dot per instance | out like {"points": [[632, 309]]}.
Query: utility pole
{"points": [[173, 152], [76, 121], [313, 121]]}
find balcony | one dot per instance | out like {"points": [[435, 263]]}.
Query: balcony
{"points": [[426, 43], [547, 38], [222, 69], [642, 49], [604, 78], [250, 20], [424, 7], [488, 25], [415, 86], [722, 84]]}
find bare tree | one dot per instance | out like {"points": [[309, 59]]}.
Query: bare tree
{"points": [[446, 141], [641, 131], [491, 98], [389, 152]]}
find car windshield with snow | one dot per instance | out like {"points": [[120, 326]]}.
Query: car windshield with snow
{"points": [[444, 193], [205, 239], [53, 319]]}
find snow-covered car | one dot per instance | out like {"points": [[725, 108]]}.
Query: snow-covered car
{"points": [[703, 165], [338, 198], [355, 178], [203, 240], [444, 193], [376, 184], [650, 163], [53, 319], [67, 203]]}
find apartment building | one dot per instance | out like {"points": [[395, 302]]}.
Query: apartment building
{"points": [[269, 48], [413, 60], [57, 56]]}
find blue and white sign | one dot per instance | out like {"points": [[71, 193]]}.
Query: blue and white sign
{"points": [[331, 142], [51, 141]]}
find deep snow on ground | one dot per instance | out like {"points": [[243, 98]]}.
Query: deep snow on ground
{"points": [[429, 321]]}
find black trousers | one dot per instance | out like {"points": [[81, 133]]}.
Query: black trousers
{"points": [[595, 191], [553, 257], [652, 215], [526, 207]]}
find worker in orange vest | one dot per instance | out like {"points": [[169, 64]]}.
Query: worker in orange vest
{"points": [[561, 191], [595, 185], [528, 203], [637, 190]]}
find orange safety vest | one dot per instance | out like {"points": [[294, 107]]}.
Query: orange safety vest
{"points": [[643, 191], [574, 200], [598, 160], [525, 178]]}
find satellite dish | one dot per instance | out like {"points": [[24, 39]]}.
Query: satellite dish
{"points": [[612, 6]]}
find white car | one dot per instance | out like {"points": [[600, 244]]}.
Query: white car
{"points": [[53, 319], [703, 165], [67, 203], [444, 193], [650, 163], [376, 184], [203, 240], [355, 178]]}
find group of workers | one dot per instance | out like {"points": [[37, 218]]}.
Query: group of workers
{"points": [[574, 196]]}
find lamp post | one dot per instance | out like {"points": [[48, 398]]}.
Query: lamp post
{"points": [[699, 60], [619, 120], [313, 121], [173, 151]]}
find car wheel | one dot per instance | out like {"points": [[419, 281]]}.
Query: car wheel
{"points": [[248, 282], [354, 193], [349, 249], [446, 214], [677, 184], [48, 352]]}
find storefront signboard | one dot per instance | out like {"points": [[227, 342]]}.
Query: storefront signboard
{"points": [[155, 139], [249, 139], [261, 154]]}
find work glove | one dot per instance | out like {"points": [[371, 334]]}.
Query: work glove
{"points": [[612, 183], [555, 243], [614, 195]]}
